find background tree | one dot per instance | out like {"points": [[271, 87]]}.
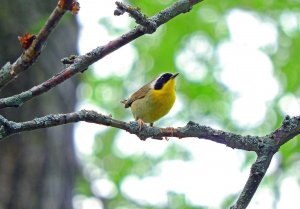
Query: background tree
{"points": [[37, 168]]}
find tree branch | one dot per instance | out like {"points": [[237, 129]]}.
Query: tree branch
{"points": [[270, 144], [257, 172], [81, 63], [149, 26], [192, 129], [288, 130], [260, 145], [10, 71]]}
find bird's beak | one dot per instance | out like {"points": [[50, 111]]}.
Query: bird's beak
{"points": [[174, 75]]}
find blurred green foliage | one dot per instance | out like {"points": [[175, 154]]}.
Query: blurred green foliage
{"points": [[205, 100]]}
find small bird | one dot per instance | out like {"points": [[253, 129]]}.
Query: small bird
{"points": [[154, 100]]}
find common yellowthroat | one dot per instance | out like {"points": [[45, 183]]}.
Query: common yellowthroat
{"points": [[154, 100]]}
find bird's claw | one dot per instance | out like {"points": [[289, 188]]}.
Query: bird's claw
{"points": [[140, 124]]}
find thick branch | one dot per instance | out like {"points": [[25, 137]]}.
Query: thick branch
{"points": [[81, 63], [192, 129], [258, 171], [289, 129], [10, 71]]}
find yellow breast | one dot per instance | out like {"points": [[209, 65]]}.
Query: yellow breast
{"points": [[155, 104]]}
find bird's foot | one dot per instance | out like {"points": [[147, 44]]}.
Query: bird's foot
{"points": [[140, 124]]}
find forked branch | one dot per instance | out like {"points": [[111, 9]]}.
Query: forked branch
{"points": [[265, 146]]}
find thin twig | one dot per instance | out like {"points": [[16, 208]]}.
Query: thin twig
{"points": [[140, 18]]}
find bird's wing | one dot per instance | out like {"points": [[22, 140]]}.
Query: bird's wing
{"points": [[139, 94]]}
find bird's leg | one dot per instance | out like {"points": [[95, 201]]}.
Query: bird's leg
{"points": [[140, 123]]}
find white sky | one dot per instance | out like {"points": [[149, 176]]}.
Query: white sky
{"points": [[215, 171]]}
